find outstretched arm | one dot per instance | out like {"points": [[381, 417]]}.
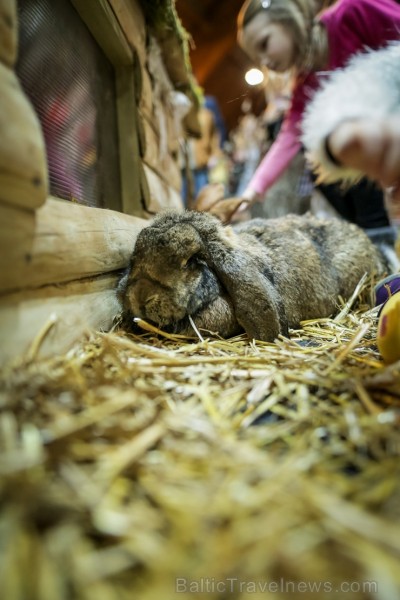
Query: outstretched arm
{"points": [[275, 162]]}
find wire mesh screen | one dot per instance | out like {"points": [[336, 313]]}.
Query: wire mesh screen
{"points": [[71, 85]]}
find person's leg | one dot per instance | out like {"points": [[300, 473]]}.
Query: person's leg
{"points": [[335, 194], [367, 200], [368, 204], [362, 203]]}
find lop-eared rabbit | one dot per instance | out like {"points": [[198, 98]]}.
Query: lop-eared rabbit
{"points": [[262, 277]]}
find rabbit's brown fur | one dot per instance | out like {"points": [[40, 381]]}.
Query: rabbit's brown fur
{"points": [[262, 276]]}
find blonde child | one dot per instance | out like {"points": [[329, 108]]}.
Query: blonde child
{"points": [[289, 34]]}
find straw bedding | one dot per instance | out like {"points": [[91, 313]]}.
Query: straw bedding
{"points": [[142, 466]]}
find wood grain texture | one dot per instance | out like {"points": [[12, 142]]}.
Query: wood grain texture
{"points": [[162, 195], [128, 135], [23, 166], [101, 21], [162, 162], [131, 20], [62, 242], [65, 312], [8, 32]]}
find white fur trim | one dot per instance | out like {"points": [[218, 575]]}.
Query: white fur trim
{"points": [[369, 87]]}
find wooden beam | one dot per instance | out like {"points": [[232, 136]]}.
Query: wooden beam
{"points": [[23, 167], [103, 25], [62, 242], [50, 320], [131, 20], [128, 137], [8, 32]]}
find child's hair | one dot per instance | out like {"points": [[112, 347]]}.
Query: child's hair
{"points": [[298, 17]]}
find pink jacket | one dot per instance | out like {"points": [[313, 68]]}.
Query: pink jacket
{"points": [[352, 26]]}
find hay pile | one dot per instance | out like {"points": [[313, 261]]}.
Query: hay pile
{"points": [[138, 466]]}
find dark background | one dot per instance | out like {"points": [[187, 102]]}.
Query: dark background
{"points": [[218, 63]]}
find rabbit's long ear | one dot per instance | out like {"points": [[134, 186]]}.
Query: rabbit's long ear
{"points": [[258, 307]]}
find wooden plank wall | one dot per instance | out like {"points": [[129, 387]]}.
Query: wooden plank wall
{"points": [[59, 270], [156, 117]]}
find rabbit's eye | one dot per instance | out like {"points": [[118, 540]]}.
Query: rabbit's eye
{"points": [[190, 262]]}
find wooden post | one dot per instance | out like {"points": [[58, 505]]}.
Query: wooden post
{"points": [[23, 166], [8, 32]]}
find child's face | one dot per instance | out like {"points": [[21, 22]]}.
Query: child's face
{"points": [[268, 44]]}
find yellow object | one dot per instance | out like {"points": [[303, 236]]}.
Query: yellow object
{"points": [[388, 337]]}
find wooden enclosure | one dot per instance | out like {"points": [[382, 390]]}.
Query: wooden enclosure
{"points": [[61, 259]]}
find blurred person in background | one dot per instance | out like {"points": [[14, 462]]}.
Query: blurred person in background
{"points": [[205, 153]]}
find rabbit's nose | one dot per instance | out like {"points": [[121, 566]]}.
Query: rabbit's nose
{"points": [[149, 305], [144, 289], [150, 300], [141, 294]]}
